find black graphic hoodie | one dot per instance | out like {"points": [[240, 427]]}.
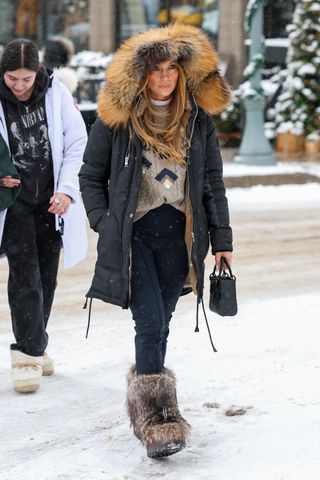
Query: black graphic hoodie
{"points": [[28, 138]]}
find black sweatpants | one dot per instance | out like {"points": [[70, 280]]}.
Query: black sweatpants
{"points": [[32, 246], [159, 269]]}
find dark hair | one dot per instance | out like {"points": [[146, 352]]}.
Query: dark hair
{"points": [[58, 52], [20, 53]]}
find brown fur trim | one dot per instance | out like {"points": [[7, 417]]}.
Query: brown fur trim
{"points": [[191, 279], [153, 410], [214, 88], [167, 432], [186, 44]]}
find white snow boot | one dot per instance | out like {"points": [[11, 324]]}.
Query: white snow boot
{"points": [[47, 365], [26, 372]]}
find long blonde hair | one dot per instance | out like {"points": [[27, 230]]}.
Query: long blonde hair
{"points": [[163, 137]]}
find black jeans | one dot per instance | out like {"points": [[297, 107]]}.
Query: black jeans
{"points": [[158, 272], [32, 246]]}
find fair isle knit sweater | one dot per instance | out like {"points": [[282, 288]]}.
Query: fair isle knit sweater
{"points": [[163, 180]]}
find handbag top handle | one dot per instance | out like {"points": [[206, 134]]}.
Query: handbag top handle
{"points": [[223, 261]]}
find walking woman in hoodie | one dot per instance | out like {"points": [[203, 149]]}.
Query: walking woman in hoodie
{"points": [[46, 137], [153, 189]]}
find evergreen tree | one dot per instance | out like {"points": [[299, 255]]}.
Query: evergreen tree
{"points": [[297, 109]]}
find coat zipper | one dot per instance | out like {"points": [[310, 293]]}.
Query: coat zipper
{"points": [[126, 163], [189, 244], [128, 152], [192, 221]]}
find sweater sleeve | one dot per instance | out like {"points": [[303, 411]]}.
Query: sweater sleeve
{"points": [[95, 172]]}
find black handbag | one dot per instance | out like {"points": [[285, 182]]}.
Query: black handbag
{"points": [[223, 296]]}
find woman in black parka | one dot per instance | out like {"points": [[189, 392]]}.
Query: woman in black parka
{"points": [[153, 189]]}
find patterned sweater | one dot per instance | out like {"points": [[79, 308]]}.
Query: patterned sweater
{"points": [[163, 180]]}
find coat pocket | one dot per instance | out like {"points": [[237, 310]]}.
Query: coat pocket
{"points": [[203, 235], [109, 242]]}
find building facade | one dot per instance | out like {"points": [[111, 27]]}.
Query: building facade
{"points": [[101, 25]]}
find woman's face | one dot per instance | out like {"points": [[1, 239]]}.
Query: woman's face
{"points": [[163, 80], [20, 82]]}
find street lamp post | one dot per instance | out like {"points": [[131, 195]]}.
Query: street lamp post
{"points": [[255, 149]]}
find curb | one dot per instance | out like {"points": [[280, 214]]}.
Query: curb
{"points": [[276, 179], [250, 180]]}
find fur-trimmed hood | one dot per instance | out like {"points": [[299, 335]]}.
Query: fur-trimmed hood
{"points": [[68, 77], [187, 45]]}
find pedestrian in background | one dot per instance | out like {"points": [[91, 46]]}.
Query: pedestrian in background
{"points": [[46, 137], [153, 189], [57, 56]]}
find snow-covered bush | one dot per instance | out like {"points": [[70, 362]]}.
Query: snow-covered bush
{"points": [[230, 119], [90, 69], [297, 108]]}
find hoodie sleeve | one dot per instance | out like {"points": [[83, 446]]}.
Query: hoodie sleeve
{"points": [[95, 172]]}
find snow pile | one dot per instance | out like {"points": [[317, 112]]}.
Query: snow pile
{"points": [[232, 169], [90, 59]]}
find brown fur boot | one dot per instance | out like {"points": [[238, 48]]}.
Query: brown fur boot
{"points": [[154, 413]]}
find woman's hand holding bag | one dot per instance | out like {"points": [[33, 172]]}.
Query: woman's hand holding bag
{"points": [[223, 297]]}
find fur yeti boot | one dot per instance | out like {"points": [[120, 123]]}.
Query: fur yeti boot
{"points": [[154, 414]]}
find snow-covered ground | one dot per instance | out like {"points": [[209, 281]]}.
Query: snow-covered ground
{"points": [[262, 197], [267, 369], [268, 362], [232, 169]]}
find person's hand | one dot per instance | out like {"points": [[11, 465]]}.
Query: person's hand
{"points": [[59, 204], [9, 182], [227, 255]]}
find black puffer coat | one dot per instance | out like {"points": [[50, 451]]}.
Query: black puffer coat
{"points": [[111, 173]]}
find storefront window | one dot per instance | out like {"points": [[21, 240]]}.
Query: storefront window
{"points": [[41, 19], [138, 16], [276, 17]]}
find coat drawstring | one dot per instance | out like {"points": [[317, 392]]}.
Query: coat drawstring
{"points": [[207, 323], [197, 319], [89, 314]]}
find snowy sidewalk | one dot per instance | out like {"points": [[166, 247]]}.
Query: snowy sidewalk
{"points": [[268, 362]]}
